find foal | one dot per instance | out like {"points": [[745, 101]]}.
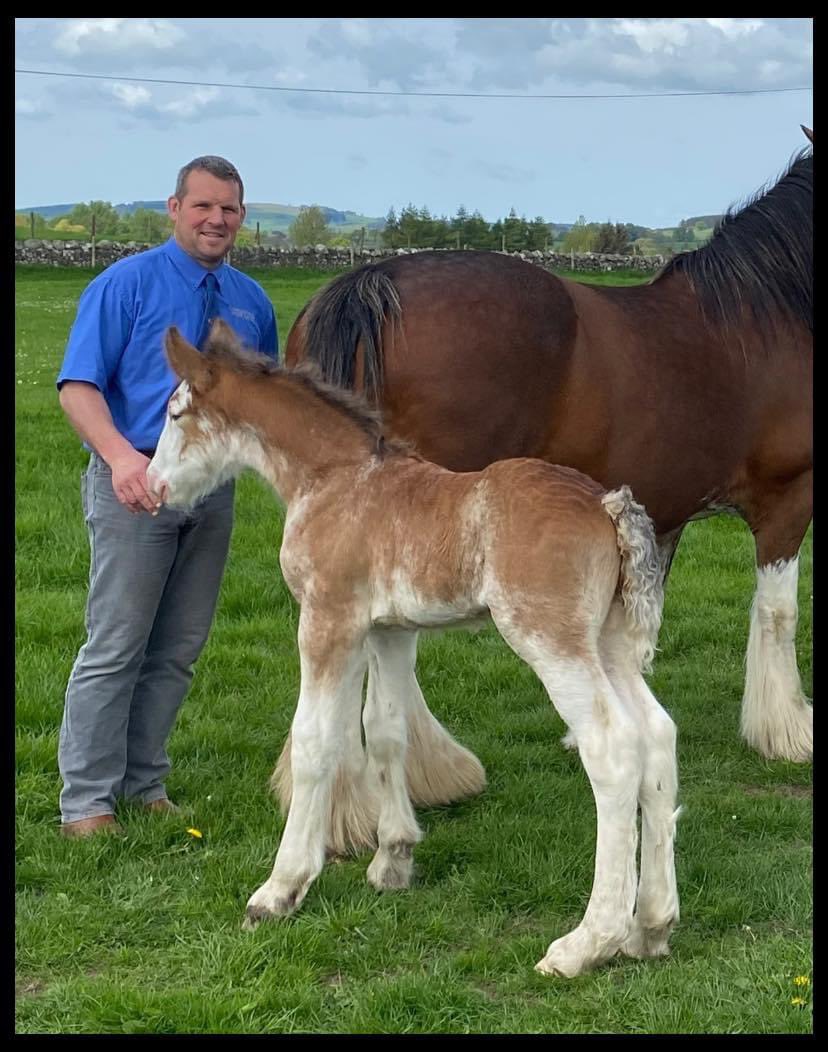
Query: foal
{"points": [[378, 544]]}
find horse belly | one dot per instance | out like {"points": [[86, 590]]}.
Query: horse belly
{"points": [[404, 603]]}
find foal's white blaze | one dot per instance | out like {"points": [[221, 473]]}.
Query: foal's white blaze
{"points": [[776, 719], [187, 471]]}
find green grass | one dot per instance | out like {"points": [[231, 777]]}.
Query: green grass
{"points": [[142, 935]]}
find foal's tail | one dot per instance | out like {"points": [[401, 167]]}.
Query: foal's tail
{"points": [[350, 309], [642, 583]]}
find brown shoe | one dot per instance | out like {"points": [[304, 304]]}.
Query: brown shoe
{"points": [[85, 827], [162, 806]]}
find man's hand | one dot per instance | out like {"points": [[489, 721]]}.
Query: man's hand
{"points": [[130, 483]]}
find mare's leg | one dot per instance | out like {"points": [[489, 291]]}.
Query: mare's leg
{"points": [[667, 545], [386, 739], [332, 659], [608, 741], [439, 770], [657, 904], [776, 718]]}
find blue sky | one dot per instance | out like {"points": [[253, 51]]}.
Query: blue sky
{"points": [[652, 161]]}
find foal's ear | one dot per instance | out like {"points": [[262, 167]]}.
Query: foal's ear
{"points": [[186, 362], [809, 134], [222, 331], [222, 339]]}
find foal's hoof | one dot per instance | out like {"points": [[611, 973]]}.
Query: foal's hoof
{"points": [[392, 867], [265, 905], [390, 875], [575, 954], [643, 942], [253, 917]]}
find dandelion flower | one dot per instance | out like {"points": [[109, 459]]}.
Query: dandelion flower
{"points": [[799, 1002], [802, 980], [196, 833]]}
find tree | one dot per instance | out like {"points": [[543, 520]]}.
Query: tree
{"points": [[514, 232], [580, 237], [146, 225], [408, 226], [538, 234], [612, 239], [107, 220], [23, 222], [457, 227], [310, 227], [391, 230], [478, 232]]}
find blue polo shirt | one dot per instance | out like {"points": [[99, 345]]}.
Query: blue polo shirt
{"points": [[117, 340]]}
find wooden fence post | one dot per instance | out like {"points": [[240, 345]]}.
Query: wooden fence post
{"points": [[93, 239]]}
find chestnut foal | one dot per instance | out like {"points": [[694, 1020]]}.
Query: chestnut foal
{"points": [[378, 544]]}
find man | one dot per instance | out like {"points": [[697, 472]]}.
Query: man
{"points": [[155, 573]]}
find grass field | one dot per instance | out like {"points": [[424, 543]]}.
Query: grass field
{"points": [[142, 934]]}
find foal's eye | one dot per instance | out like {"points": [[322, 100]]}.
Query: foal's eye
{"points": [[174, 416]]}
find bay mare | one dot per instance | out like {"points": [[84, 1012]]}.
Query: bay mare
{"points": [[378, 544], [695, 390]]}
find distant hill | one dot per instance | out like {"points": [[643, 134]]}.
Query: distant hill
{"points": [[702, 220], [270, 217]]}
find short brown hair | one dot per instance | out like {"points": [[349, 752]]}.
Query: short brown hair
{"points": [[216, 166]]}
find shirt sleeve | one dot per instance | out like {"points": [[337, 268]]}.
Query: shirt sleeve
{"points": [[99, 334]]}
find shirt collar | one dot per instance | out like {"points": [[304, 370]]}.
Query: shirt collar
{"points": [[191, 270]]}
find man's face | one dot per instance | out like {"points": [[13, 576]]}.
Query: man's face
{"points": [[207, 218]]}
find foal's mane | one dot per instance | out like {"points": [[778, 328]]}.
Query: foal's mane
{"points": [[223, 348], [761, 255]]}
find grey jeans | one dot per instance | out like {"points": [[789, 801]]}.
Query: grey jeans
{"points": [[153, 587]]}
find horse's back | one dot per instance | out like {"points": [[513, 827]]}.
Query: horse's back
{"points": [[483, 347]]}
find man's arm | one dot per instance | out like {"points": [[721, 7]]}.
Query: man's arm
{"points": [[89, 415]]}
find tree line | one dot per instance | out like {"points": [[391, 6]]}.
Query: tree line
{"points": [[412, 228]]}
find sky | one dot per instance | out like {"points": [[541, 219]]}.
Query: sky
{"points": [[651, 161]]}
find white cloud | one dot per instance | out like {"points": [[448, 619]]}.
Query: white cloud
{"points": [[675, 54], [290, 77], [405, 54], [191, 104], [113, 36], [119, 45], [653, 34], [131, 95], [26, 107], [735, 27], [168, 106]]}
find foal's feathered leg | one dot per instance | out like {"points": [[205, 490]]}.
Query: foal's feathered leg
{"points": [[332, 660], [627, 645], [657, 903], [354, 807], [386, 741], [609, 745]]}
